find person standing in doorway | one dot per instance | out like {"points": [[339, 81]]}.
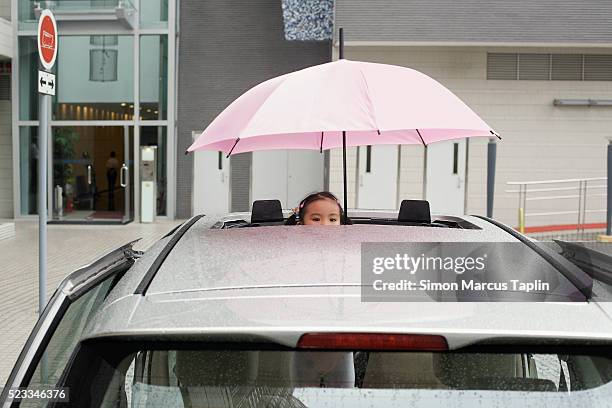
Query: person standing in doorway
{"points": [[112, 168]]}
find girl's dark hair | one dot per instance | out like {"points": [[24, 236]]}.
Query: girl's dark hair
{"points": [[321, 195]]}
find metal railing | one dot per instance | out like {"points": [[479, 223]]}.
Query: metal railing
{"points": [[578, 191]]}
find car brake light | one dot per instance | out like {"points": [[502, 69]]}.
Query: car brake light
{"points": [[372, 341]]}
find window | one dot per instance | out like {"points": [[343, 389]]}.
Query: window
{"points": [[156, 136], [534, 66], [502, 66], [598, 67], [96, 74], [153, 77], [28, 170], [66, 336], [154, 14], [136, 374], [28, 75], [545, 67], [566, 67]]}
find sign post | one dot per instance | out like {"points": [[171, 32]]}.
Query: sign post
{"points": [[47, 51]]}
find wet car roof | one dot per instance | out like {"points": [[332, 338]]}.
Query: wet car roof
{"points": [[264, 284], [208, 258]]}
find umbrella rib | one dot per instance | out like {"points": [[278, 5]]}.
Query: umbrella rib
{"points": [[365, 81], [232, 149], [495, 134], [419, 133]]}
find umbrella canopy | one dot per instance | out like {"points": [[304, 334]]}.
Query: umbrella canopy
{"points": [[311, 108]]}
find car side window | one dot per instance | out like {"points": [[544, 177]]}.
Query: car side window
{"points": [[66, 336]]}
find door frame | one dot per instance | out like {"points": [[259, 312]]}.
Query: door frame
{"points": [[125, 125]]}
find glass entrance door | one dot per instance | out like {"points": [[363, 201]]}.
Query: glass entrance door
{"points": [[92, 174]]}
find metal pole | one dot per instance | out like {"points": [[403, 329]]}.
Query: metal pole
{"points": [[42, 201], [609, 193], [521, 210], [491, 156], [345, 182], [341, 55], [425, 172], [341, 40]]}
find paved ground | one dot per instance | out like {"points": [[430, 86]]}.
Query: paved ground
{"points": [[69, 246]]}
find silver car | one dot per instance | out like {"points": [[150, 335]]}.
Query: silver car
{"points": [[242, 311]]}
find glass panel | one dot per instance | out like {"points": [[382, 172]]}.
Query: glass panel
{"points": [[153, 77], [87, 165], [159, 377], [28, 169], [97, 77], [154, 13], [25, 11], [28, 67], [156, 136], [65, 338]]}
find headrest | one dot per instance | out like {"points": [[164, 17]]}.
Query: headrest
{"points": [[212, 367], [267, 211], [414, 211], [462, 370]]}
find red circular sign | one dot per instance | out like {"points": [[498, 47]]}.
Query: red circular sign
{"points": [[47, 39]]}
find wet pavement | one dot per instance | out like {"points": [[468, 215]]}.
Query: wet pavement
{"points": [[69, 247]]}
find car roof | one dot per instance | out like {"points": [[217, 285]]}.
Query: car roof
{"points": [[274, 283], [281, 255]]}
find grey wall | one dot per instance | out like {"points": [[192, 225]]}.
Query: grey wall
{"points": [[558, 21], [226, 47], [5, 9]]}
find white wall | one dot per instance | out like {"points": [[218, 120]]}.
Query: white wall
{"points": [[540, 141]]}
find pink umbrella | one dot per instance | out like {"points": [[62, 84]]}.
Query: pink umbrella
{"points": [[339, 104]]}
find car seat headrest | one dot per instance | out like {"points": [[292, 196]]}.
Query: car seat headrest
{"points": [[266, 211], [414, 211]]}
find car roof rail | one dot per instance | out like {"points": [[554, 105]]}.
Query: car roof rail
{"points": [[579, 278], [144, 284]]}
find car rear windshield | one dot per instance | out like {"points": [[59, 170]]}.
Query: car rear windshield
{"points": [[187, 375]]}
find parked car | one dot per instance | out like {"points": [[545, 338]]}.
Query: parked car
{"points": [[240, 310]]}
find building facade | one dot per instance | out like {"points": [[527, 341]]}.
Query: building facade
{"points": [[153, 73], [115, 94], [528, 68]]}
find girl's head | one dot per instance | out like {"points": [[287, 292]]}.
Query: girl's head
{"points": [[322, 208]]}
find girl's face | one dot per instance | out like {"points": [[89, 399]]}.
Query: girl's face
{"points": [[322, 212]]}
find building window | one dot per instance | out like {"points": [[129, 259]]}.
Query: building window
{"points": [[105, 91], [153, 77], [154, 14], [156, 136], [28, 75], [25, 13], [28, 169], [547, 67]]}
